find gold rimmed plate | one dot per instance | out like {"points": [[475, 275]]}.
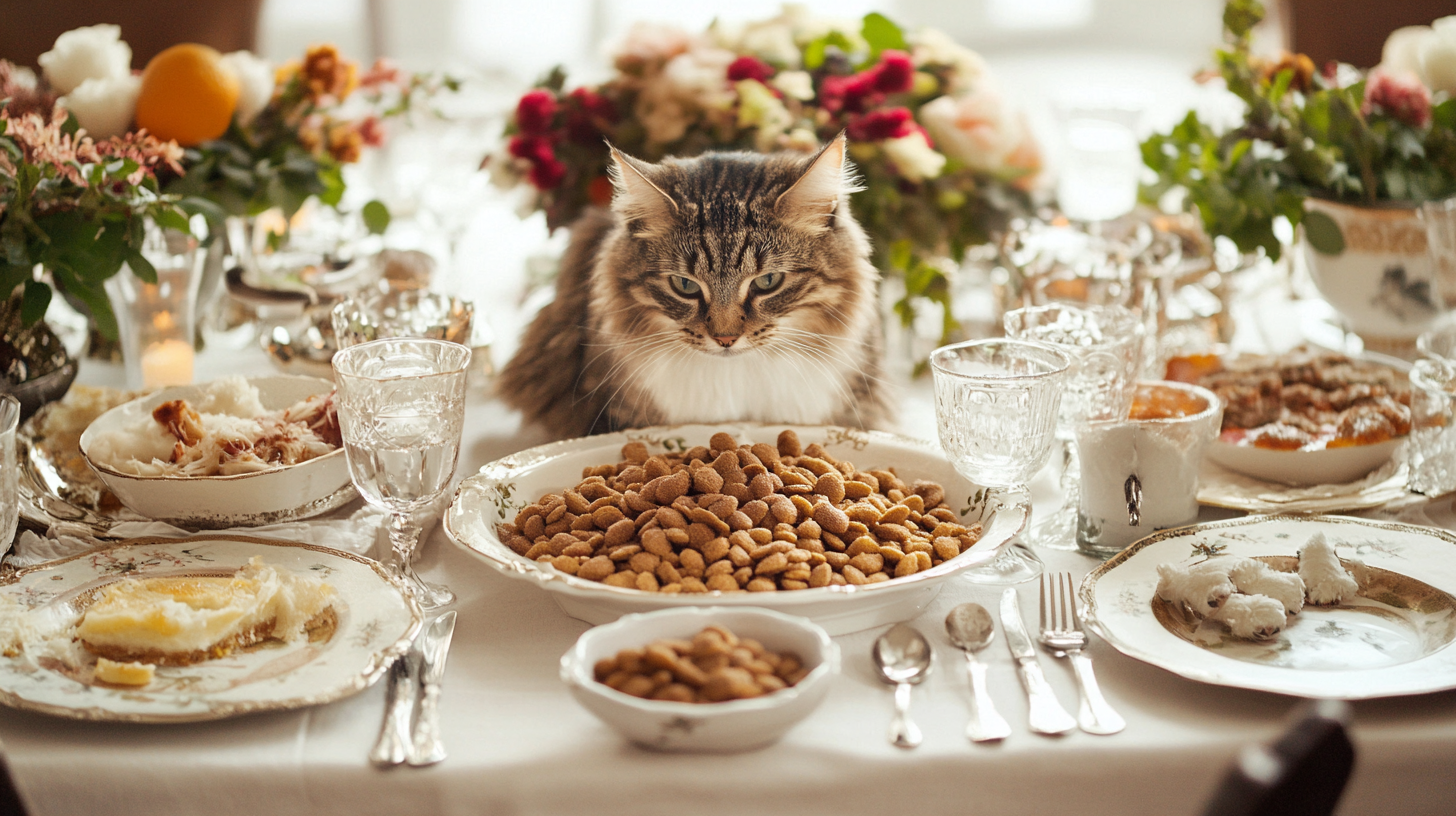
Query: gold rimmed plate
{"points": [[1394, 638], [376, 621]]}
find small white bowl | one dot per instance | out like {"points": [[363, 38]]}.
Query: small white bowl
{"points": [[217, 502], [736, 725], [1301, 468]]}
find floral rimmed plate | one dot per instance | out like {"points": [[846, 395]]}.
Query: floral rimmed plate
{"points": [[1382, 487], [503, 487], [376, 623], [1393, 639]]}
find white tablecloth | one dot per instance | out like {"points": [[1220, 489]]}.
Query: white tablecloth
{"points": [[520, 745]]}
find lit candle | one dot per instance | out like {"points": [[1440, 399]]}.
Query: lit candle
{"points": [[168, 362]]}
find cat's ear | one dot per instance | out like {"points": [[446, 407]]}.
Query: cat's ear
{"points": [[810, 203], [638, 201]]}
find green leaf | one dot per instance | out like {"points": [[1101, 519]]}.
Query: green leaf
{"points": [[172, 219], [1323, 233], [882, 34], [814, 54], [376, 217], [141, 267], [333, 181], [34, 302]]}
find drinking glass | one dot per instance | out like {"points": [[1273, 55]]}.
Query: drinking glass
{"points": [[1105, 344], [1098, 177], [996, 407], [376, 315], [401, 408], [9, 470]]}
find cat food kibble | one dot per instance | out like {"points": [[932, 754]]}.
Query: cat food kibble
{"points": [[713, 667], [730, 518]]}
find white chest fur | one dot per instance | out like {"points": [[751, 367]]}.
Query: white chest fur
{"points": [[759, 386]]}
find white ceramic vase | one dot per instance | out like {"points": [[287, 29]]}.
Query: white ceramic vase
{"points": [[1382, 283]]}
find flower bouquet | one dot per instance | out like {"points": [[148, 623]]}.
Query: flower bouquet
{"points": [[944, 161], [1338, 133]]}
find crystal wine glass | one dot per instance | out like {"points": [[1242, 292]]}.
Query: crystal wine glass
{"points": [[996, 409], [401, 407], [1105, 344]]}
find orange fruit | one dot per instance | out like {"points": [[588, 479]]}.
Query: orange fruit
{"points": [[187, 94]]}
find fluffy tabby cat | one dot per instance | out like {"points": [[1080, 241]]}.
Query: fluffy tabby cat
{"points": [[727, 287]]}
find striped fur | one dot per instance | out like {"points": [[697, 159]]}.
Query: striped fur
{"points": [[622, 347]]}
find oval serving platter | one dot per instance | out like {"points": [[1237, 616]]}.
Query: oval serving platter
{"points": [[502, 488], [377, 620], [1393, 639]]}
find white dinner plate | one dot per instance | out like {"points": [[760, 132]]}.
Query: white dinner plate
{"points": [[377, 621], [1393, 639], [502, 488]]}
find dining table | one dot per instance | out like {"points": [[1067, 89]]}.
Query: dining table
{"points": [[519, 744]]}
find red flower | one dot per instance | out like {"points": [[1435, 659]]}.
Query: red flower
{"points": [[895, 73], [588, 116], [854, 93], [749, 68], [886, 123], [372, 129], [1401, 95], [535, 111], [547, 174], [535, 149], [383, 72]]}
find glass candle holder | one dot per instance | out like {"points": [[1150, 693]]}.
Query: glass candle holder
{"points": [[155, 321]]}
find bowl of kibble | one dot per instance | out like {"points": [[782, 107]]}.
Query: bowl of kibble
{"points": [[850, 529], [707, 679]]}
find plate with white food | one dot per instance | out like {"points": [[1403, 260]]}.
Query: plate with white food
{"points": [[851, 529], [202, 628], [234, 452], [1312, 606]]}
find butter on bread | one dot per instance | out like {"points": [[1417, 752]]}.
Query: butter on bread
{"points": [[180, 620]]}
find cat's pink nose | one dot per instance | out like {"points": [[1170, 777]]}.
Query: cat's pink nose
{"points": [[726, 340]]}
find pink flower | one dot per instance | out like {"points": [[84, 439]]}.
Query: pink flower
{"points": [[1399, 94], [383, 72], [535, 111], [895, 73], [886, 123], [373, 132], [749, 68]]}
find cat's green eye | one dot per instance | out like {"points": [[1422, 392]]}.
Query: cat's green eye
{"points": [[769, 282], [686, 287]]}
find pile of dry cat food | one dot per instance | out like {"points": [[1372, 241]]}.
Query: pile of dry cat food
{"points": [[713, 667], [731, 517]]}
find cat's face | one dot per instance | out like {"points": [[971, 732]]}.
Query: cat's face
{"points": [[737, 253]]}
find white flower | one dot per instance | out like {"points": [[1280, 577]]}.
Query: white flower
{"points": [[1438, 56], [770, 40], [255, 83], [759, 108], [794, 84], [913, 157], [931, 47], [647, 47], [104, 107], [690, 82], [92, 52], [1402, 49], [975, 128]]}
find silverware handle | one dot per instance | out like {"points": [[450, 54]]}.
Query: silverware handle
{"points": [[986, 724], [903, 732], [1094, 715], [427, 748], [1045, 715], [392, 747]]}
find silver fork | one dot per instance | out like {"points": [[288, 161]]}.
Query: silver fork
{"points": [[1063, 637]]}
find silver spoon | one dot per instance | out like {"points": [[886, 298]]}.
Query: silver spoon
{"points": [[970, 628], [902, 656]]}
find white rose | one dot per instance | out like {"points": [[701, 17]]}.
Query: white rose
{"points": [[931, 47], [255, 83], [1438, 56], [794, 84], [913, 157], [92, 52], [104, 107], [974, 128], [1401, 51]]}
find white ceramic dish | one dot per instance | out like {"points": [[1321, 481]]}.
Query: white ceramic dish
{"points": [[502, 488], [218, 502], [377, 621], [736, 725], [1303, 468], [1394, 639]]}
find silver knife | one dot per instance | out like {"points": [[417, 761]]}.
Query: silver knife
{"points": [[1046, 715], [392, 747], [426, 748]]}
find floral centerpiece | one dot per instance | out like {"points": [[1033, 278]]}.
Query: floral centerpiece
{"points": [[1337, 133], [944, 160]]}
